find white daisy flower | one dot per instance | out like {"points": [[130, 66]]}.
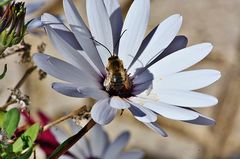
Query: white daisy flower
{"points": [[117, 66], [97, 145]]}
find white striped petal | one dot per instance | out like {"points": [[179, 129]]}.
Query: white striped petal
{"points": [[135, 25], [142, 114], [180, 60], [163, 36], [70, 54], [63, 70], [155, 127], [98, 140], [119, 103], [186, 98], [82, 33], [116, 147], [188, 80], [115, 15], [102, 113], [100, 27]]}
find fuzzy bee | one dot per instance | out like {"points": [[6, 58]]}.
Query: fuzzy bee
{"points": [[117, 80]]}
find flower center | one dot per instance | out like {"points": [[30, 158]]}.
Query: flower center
{"points": [[117, 81]]}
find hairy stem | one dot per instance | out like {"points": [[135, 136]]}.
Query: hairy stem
{"points": [[4, 107], [80, 111]]}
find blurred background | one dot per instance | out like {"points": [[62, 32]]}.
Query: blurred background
{"points": [[215, 21]]}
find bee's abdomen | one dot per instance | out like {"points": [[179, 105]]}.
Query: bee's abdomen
{"points": [[117, 81]]}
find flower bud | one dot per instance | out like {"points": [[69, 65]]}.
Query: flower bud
{"points": [[12, 25]]}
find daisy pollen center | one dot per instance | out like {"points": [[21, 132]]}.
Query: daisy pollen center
{"points": [[117, 82]]}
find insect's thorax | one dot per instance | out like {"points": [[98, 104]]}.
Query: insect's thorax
{"points": [[117, 81]]}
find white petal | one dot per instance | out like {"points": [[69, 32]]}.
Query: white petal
{"points": [[186, 98], [59, 134], [155, 127], [94, 93], [66, 157], [142, 114], [67, 89], [180, 60], [141, 81], [188, 80], [138, 89], [116, 147], [98, 140], [82, 33], [100, 27], [34, 6], [170, 111], [74, 127], [119, 103], [82, 145], [102, 113], [83, 148], [34, 24], [63, 70], [141, 78], [178, 43], [70, 54], [163, 36], [135, 25], [202, 120], [115, 15], [61, 30]]}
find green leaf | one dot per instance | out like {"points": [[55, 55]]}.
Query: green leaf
{"points": [[26, 155], [2, 116], [11, 121], [4, 72], [27, 138]]}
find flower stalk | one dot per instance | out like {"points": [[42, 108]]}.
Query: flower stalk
{"points": [[63, 148], [78, 112]]}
